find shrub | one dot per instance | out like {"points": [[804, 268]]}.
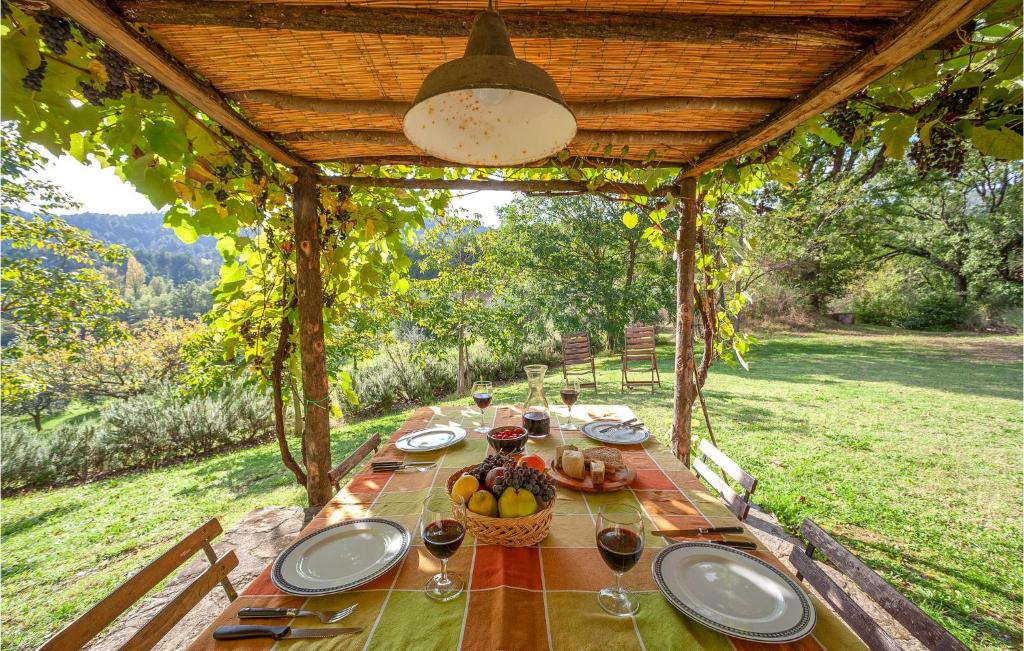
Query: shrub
{"points": [[139, 431]]}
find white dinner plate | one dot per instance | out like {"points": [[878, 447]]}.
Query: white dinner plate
{"points": [[615, 435], [340, 557], [733, 592], [431, 438]]}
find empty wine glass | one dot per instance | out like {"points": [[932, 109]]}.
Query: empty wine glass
{"points": [[620, 539], [570, 392], [443, 528], [482, 397]]}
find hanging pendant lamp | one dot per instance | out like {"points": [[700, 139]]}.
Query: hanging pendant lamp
{"points": [[489, 108]]}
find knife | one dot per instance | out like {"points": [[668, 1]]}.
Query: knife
{"points": [[246, 631], [703, 531], [404, 463]]}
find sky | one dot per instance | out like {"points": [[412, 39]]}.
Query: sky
{"points": [[99, 190]]}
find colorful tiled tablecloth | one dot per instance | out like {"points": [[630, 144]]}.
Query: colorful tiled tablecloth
{"points": [[518, 599]]}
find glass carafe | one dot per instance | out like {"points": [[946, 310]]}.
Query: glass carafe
{"points": [[536, 411]]}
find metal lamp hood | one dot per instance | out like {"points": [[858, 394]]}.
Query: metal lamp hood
{"points": [[489, 108]]}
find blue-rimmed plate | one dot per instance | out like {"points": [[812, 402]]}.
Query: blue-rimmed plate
{"points": [[340, 557], [431, 438], [733, 592], [615, 433]]}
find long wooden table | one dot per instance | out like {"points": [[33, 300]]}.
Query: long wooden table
{"points": [[532, 598]]}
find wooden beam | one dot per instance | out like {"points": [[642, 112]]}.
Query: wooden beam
{"points": [[578, 162], [699, 29], [685, 388], [640, 106], [587, 137], [351, 461], [96, 17], [510, 185], [927, 23], [316, 437]]}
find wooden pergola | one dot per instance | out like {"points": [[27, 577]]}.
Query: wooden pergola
{"points": [[699, 82]]}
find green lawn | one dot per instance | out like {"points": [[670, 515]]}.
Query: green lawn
{"points": [[906, 446]]}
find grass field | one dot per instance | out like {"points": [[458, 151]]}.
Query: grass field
{"points": [[906, 446]]}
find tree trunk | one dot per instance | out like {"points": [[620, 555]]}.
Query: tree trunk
{"points": [[460, 380], [959, 283], [316, 438], [610, 341], [686, 240], [282, 351], [37, 420]]}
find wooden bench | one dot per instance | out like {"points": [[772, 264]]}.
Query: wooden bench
{"points": [[738, 504], [640, 348], [919, 624], [576, 352], [79, 632]]}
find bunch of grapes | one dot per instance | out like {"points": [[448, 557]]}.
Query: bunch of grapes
{"points": [[56, 32], [945, 151], [5, 9], [33, 80], [531, 479], [845, 120], [491, 461]]}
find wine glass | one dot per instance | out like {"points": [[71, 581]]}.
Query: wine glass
{"points": [[482, 398], [443, 529], [570, 392], [620, 539]]}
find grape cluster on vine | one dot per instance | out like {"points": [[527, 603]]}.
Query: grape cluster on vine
{"points": [[122, 77], [527, 478], [55, 31], [33, 80], [945, 151], [846, 120]]}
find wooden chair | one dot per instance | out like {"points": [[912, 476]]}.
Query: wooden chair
{"points": [[920, 625], [576, 352], [640, 347], [79, 632], [738, 504]]}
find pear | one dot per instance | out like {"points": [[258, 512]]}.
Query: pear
{"points": [[517, 503], [483, 503]]}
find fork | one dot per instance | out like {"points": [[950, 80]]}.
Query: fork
{"points": [[274, 613]]}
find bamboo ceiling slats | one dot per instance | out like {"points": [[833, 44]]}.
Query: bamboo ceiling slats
{"points": [[852, 8], [761, 65]]}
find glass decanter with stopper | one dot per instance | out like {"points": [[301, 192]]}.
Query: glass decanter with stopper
{"points": [[536, 411]]}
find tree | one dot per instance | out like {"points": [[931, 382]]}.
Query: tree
{"points": [[451, 301], [54, 292], [586, 265], [36, 383]]}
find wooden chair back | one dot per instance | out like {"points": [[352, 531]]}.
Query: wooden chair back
{"points": [[639, 346], [640, 340], [919, 624], [738, 504], [339, 471], [79, 632], [576, 352]]}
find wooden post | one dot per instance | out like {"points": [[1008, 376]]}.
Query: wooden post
{"points": [[686, 242], [316, 437]]}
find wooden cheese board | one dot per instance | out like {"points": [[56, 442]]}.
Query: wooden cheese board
{"points": [[612, 482]]}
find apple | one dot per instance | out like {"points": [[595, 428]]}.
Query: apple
{"points": [[493, 475]]}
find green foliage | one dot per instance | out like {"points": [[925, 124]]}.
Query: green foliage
{"points": [[143, 430]]}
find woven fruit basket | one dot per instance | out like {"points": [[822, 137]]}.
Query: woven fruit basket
{"points": [[508, 532]]}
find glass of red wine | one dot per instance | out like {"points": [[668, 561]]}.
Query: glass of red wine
{"points": [[620, 539], [482, 398], [443, 528], [570, 392]]}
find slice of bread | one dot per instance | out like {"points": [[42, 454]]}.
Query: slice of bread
{"points": [[610, 457]]}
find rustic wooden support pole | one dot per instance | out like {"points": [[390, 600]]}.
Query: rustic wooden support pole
{"points": [[661, 27], [685, 389], [512, 185], [597, 108], [316, 438]]}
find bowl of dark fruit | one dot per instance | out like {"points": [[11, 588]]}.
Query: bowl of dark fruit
{"points": [[507, 438]]}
